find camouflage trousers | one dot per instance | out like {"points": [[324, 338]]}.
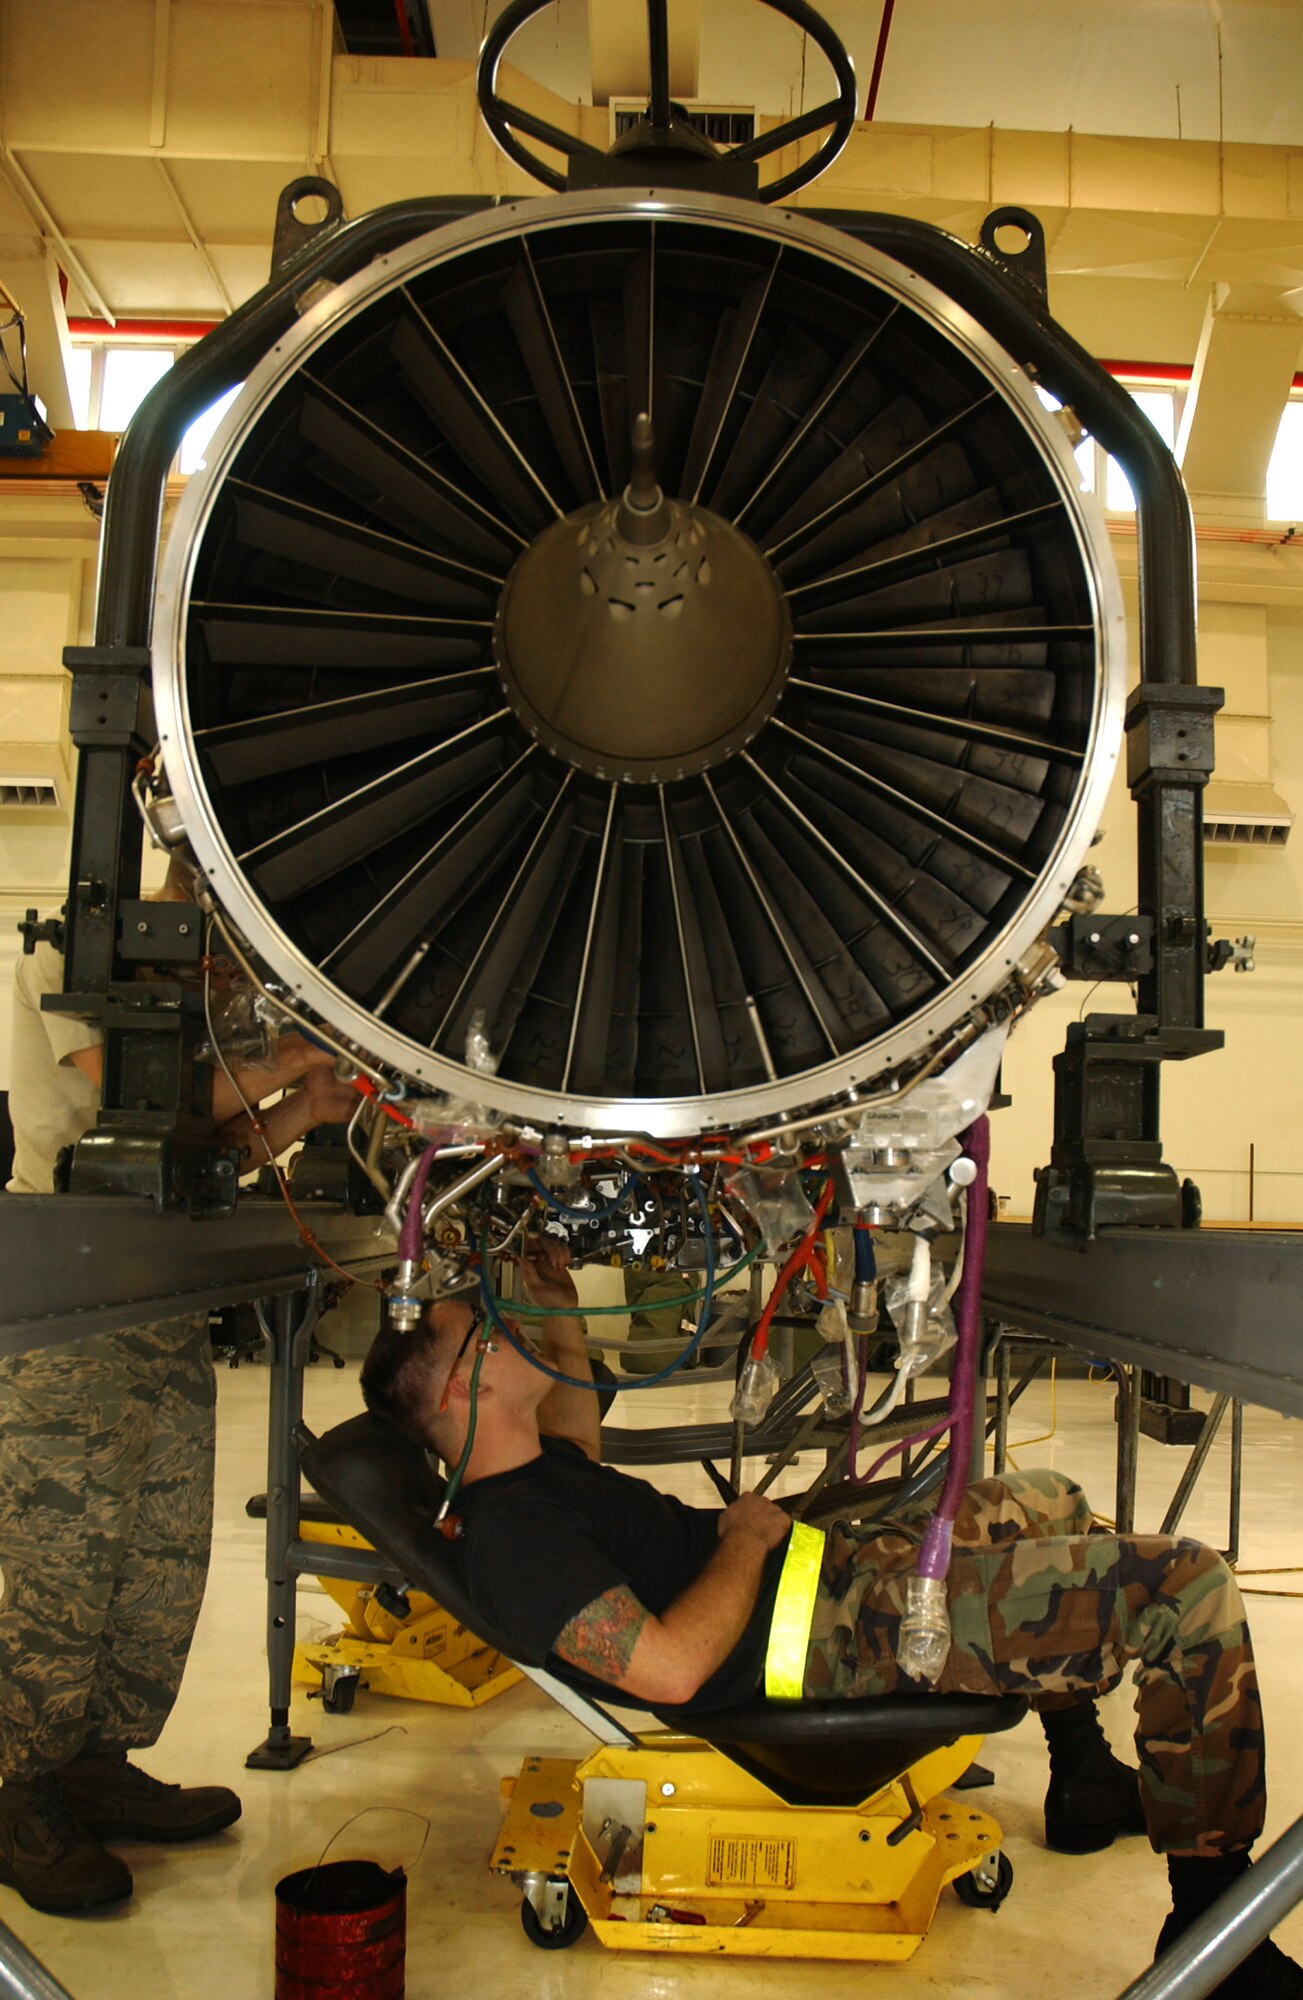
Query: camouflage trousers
{"points": [[106, 1495], [1044, 1604]]}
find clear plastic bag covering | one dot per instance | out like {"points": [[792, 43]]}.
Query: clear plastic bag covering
{"points": [[831, 1322], [932, 1113], [829, 1370], [451, 1121], [923, 1642], [757, 1386], [775, 1200], [896, 1187], [925, 1328], [245, 1024], [479, 1055]]}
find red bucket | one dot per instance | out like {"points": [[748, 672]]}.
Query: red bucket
{"points": [[341, 1932]]}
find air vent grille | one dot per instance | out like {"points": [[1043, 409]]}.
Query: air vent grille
{"points": [[1246, 832], [26, 794], [722, 124]]}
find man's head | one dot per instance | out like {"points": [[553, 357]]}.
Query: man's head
{"points": [[421, 1381]]}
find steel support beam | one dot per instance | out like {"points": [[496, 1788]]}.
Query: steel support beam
{"points": [[75, 1266], [1220, 1308]]}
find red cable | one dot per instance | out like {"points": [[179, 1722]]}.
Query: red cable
{"points": [[368, 1089], [799, 1256]]}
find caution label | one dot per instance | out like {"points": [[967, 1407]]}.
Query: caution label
{"points": [[737, 1861]]}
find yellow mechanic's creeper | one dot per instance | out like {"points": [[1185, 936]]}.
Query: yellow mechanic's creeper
{"points": [[668, 1844]]}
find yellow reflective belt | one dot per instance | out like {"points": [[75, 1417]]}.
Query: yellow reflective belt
{"points": [[789, 1628]]}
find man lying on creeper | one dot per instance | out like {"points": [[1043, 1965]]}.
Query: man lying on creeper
{"points": [[589, 1568]]}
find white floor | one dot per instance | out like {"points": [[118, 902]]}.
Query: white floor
{"points": [[202, 1918]]}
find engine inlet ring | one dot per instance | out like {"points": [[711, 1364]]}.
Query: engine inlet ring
{"points": [[795, 914]]}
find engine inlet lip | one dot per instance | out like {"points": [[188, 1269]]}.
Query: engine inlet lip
{"points": [[679, 1116]]}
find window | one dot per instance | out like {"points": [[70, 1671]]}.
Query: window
{"points": [[1285, 471], [1159, 405], [1101, 474], [108, 380]]}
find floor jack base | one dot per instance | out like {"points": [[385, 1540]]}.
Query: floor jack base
{"points": [[669, 1846], [278, 1756], [423, 1655]]}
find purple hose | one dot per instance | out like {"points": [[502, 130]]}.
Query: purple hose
{"points": [[934, 1556], [903, 1444], [411, 1233]]}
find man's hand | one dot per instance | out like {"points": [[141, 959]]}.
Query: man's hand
{"points": [[545, 1267], [331, 1101], [752, 1514]]}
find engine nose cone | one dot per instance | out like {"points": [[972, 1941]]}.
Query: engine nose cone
{"points": [[643, 638]]}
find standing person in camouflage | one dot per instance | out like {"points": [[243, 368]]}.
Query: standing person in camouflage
{"points": [[106, 1488], [685, 1608]]}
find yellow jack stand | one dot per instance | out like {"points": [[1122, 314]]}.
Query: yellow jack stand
{"points": [[426, 1656], [667, 1845]]}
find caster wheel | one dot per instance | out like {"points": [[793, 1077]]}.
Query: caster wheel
{"points": [[572, 1926], [979, 1892], [343, 1694]]}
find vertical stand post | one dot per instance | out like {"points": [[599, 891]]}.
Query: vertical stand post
{"points": [[1237, 1483], [1128, 1422], [1240, 1919], [1003, 1364], [23, 1977], [293, 1316]]}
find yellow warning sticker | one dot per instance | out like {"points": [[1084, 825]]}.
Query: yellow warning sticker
{"points": [[739, 1861]]}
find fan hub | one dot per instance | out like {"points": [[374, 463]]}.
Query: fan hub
{"points": [[643, 660]]}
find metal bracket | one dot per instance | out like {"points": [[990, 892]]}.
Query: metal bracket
{"points": [[1026, 266], [111, 704], [159, 933], [1099, 947], [292, 236]]}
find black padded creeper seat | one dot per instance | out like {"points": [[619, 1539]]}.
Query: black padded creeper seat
{"points": [[808, 1752]]}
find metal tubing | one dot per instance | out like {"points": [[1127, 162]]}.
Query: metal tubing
{"points": [[1128, 1455], [23, 1977], [1198, 1459], [658, 63], [1237, 1481], [293, 1318], [1225, 1934], [1003, 1378]]}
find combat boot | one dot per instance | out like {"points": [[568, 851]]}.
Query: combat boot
{"points": [[1086, 1810], [116, 1800], [49, 1857]]}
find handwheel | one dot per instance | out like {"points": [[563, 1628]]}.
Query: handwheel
{"points": [[978, 1891], [572, 1926], [836, 117]]}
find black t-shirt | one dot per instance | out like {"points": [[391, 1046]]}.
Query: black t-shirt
{"points": [[545, 1539]]}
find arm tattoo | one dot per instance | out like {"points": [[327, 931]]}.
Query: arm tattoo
{"points": [[600, 1639]]}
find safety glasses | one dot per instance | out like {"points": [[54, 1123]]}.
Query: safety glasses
{"points": [[477, 1321]]}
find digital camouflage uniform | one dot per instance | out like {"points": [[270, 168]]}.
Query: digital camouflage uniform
{"points": [[106, 1492], [1042, 1603]]}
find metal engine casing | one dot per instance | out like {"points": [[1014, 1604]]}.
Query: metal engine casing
{"points": [[830, 955]]}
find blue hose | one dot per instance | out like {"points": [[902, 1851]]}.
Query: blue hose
{"points": [[493, 1309]]}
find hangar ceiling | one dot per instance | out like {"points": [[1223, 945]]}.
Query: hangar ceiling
{"points": [[146, 141], [143, 144]]}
